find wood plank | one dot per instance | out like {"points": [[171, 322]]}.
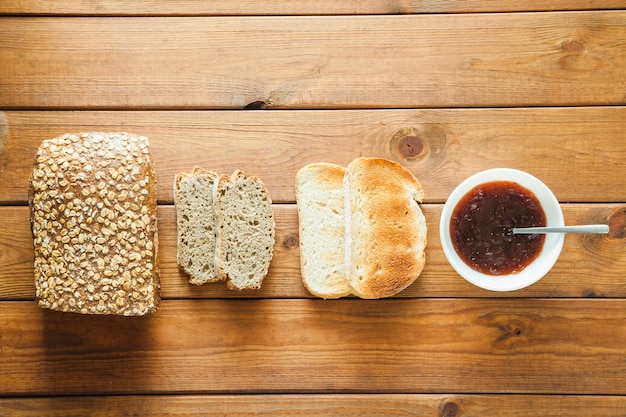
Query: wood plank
{"points": [[468, 60], [589, 266], [510, 346], [291, 7], [579, 152], [328, 405]]}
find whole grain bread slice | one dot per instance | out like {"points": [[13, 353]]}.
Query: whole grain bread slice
{"points": [[385, 227], [246, 233], [197, 224], [320, 200]]}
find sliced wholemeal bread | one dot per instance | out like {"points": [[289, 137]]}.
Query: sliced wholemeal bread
{"points": [[320, 198], [245, 238], [196, 219], [385, 227]]}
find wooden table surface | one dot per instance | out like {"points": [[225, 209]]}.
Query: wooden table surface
{"points": [[444, 88]]}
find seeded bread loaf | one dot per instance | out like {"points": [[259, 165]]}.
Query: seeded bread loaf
{"points": [[93, 218], [196, 218], [245, 237], [320, 200], [385, 227]]}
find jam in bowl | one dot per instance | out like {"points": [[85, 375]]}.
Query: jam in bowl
{"points": [[476, 229]]}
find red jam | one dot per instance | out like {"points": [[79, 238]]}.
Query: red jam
{"points": [[482, 222]]}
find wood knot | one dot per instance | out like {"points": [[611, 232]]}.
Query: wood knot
{"points": [[576, 57], [509, 331], [572, 45], [589, 293], [291, 242], [451, 409], [410, 146], [617, 223], [416, 143], [256, 105]]}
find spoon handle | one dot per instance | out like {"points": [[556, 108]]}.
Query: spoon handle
{"points": [[591, 228]]}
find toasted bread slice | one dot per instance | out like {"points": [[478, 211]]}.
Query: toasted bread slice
{"points": [[385, 227], [320, 198]]}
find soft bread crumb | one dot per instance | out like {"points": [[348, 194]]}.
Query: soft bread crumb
{"points": [[196, 220], [225, 228], [246, 231], [320, 199]]}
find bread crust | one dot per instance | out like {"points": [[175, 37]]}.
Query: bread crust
{"points": [[219, 256], [93, 217], [385, 225]]}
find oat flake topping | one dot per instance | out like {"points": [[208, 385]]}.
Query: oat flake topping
{"points": [[93, 217]]}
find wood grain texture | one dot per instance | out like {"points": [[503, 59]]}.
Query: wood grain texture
{"points": [[444, 88], [308, 346], [580, 153], [449, 60], [301, 7], [599, 261], [327, 405]]}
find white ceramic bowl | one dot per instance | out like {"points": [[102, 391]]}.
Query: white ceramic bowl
{"points": [[537, 268]]}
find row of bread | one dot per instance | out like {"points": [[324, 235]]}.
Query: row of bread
{"points": [[93, 217]]}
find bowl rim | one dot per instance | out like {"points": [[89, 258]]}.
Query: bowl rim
{"points": [[550, 251]]}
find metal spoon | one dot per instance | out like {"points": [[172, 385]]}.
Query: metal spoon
{"points": [[590, 228]]}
